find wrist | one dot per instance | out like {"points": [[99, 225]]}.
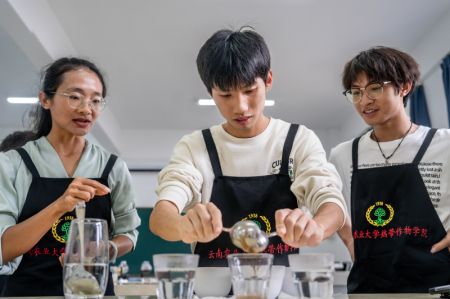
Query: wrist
{"points": [[56, 209], [113, 251]]}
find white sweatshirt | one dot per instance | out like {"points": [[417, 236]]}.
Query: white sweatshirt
{"points": [[188, 179]]}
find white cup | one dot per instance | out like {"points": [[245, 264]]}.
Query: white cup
{"points": [[212, 281]]}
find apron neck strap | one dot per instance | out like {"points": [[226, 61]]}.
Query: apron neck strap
{"points": [[109, 165], [28, 162], [212, 152], [287, 148], [355, 153], [425, 145]]}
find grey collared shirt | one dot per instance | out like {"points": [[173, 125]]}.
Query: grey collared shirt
{"points": [[15, 180]]}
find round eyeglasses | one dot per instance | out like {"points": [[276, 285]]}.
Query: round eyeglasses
{"points": [[77, 100], [372, 90]]}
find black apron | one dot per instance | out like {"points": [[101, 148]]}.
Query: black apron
{"points": [[250, 198], [40, 272], [394, 226]]}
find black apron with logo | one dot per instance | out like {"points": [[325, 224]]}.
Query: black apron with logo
{"points": [[394, 226], [40, 272], [250, 198]]}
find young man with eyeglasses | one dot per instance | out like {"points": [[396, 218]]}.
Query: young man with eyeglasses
{"points": [[250, 167], [395, 179]]}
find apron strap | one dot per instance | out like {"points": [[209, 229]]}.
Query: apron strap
{"points": [[212, 152], [425, 145], [28, 162], [109, 165], [287, 148], [355, 152]]}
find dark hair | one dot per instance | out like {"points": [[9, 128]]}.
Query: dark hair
{"points": [[382, 64], [16, 139], [51, 78], [232, 59]]}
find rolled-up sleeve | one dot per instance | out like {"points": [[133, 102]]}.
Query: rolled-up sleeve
{"points": [[9, 207], [316, 181], [125, 217]]}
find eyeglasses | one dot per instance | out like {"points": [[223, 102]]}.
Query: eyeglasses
{"points": [[77, 100], [373, 91]]}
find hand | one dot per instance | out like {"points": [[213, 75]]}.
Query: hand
{"points": [[202, 223], [444, 243], [296, 228], [81, 189]]}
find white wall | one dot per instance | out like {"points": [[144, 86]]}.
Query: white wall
{"points": [[6, 131], [145, 184], [149, 149]]}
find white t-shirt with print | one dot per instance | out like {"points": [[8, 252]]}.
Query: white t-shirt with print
{"points": [[434, 167]]}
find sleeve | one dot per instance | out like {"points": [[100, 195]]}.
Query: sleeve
{"points": [[316, 181], [337, 160], [180, 182], [126, 218], [9, 207]]}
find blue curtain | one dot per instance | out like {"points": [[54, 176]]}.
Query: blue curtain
{"points": [[445, 66], [419, 108]]}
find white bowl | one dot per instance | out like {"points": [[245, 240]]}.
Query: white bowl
{"points": [[212, 281], [289, 287], [276, 281]]}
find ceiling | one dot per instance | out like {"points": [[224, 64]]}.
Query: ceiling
{"points": [[148, 48]]}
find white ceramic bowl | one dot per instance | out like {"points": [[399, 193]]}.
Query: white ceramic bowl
{"points": [[212, 281], [288, 284], [276, 281]]}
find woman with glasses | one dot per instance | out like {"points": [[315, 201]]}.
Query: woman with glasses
{"points": [[395, 178], [41, 183]]}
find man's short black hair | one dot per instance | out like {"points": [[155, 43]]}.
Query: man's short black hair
{"points": [[382, 64], [232, 59]]}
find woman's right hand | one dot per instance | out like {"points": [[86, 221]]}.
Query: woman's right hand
{"points": [[81, 189]]}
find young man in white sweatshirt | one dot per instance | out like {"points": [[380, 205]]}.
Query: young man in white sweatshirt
{"points": [[251, 167]]}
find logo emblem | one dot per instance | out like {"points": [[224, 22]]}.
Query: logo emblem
{"points": [[262, 221], [380, 214], [60, 229]]}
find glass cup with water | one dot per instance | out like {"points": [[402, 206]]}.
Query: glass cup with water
{"points": [[86, 257], [313, 274], [250, 274], [175, 274]]}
